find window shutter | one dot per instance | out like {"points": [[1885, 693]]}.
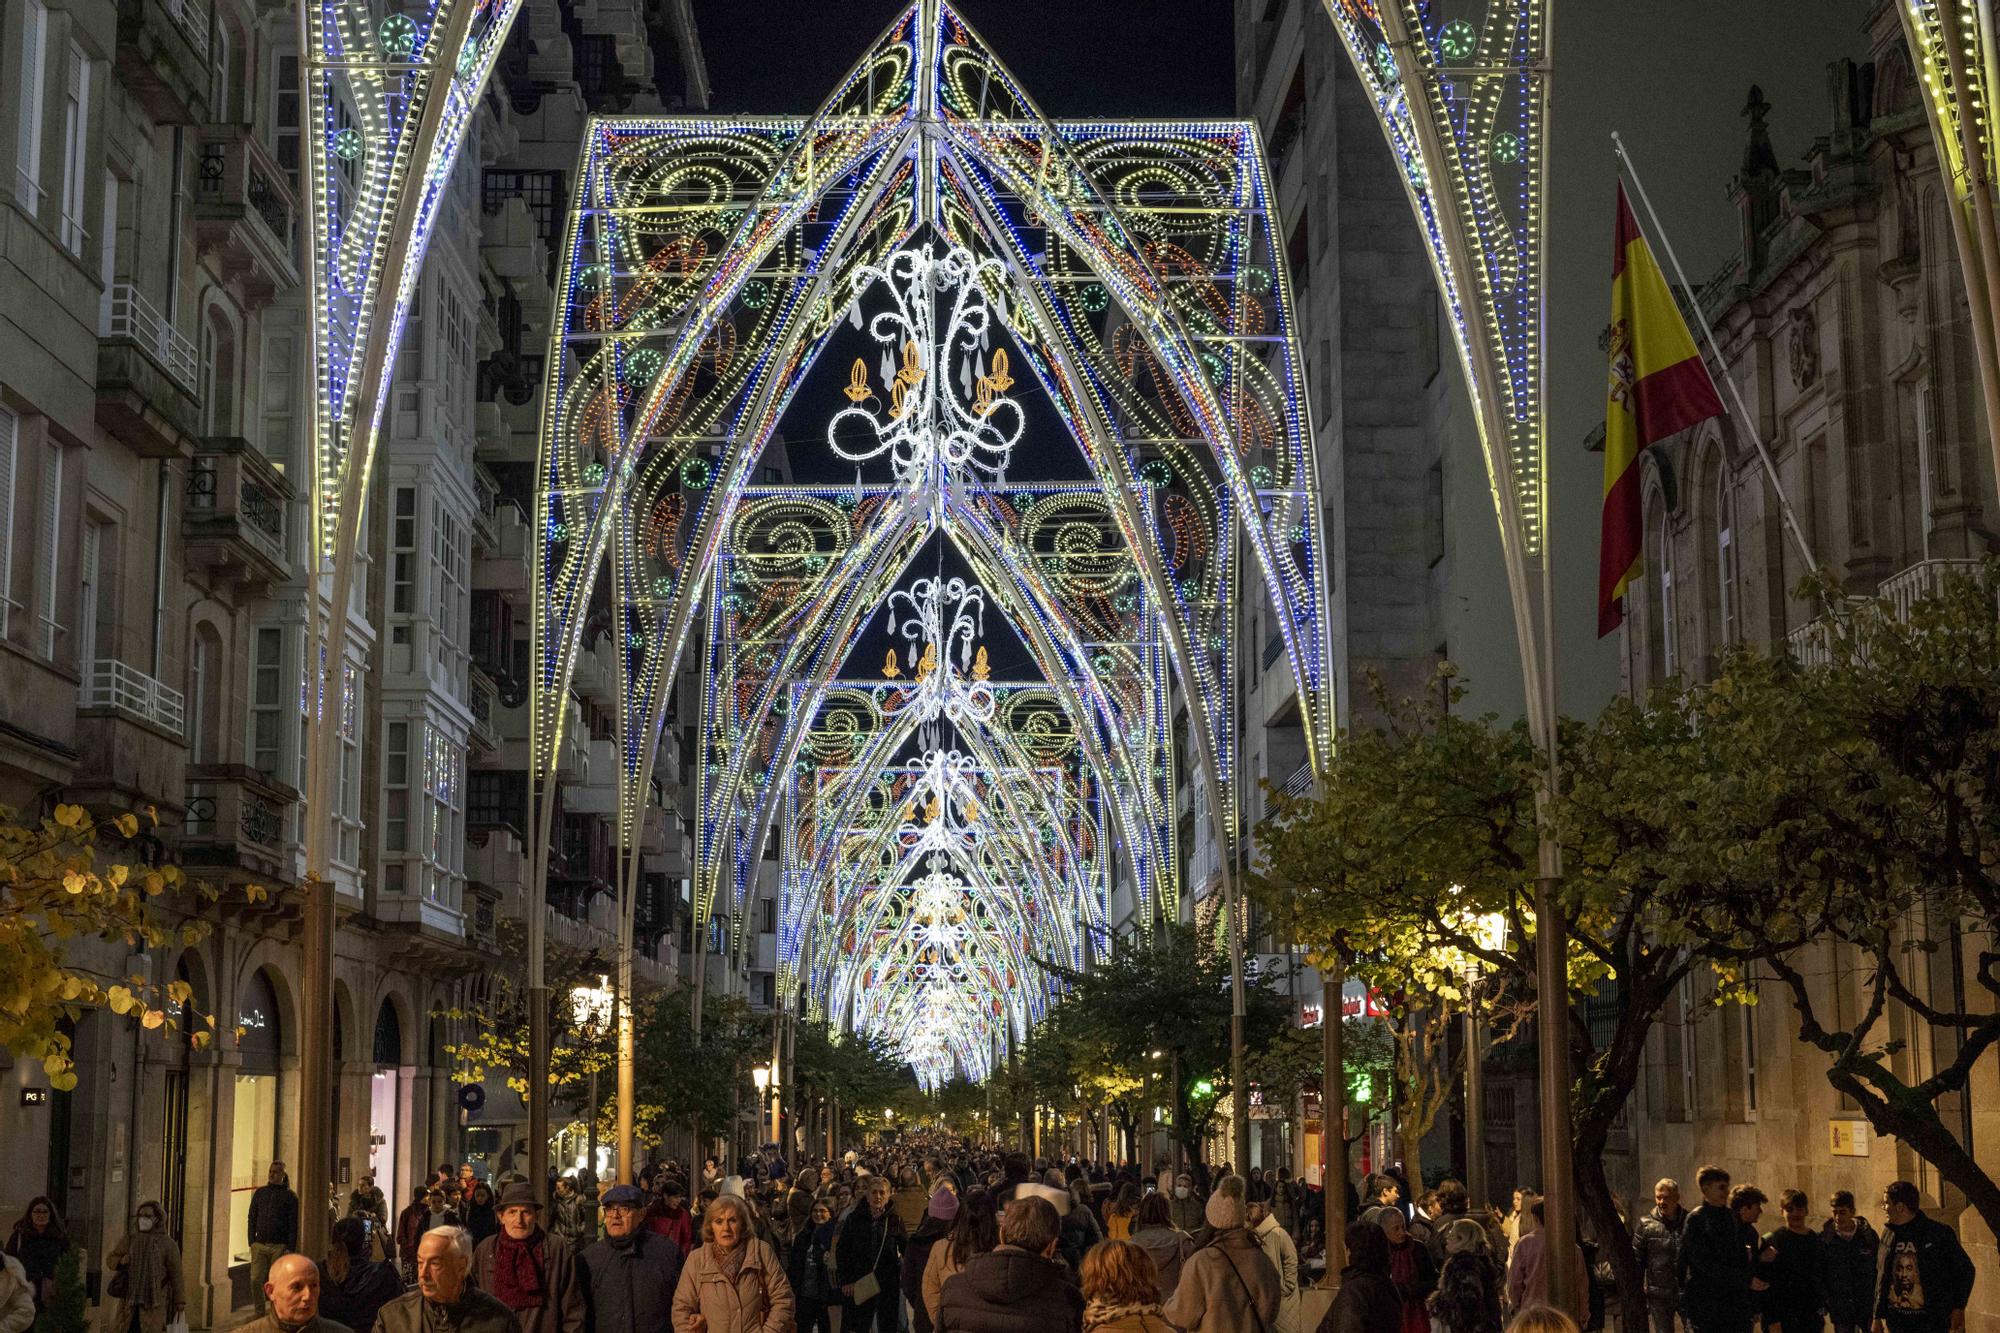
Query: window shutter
{"points": [[10, 440], [49, 566]]}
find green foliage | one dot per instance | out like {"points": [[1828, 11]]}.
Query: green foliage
{"points": [[861, 1074], [701, 1084], [496, 1028], [66, 1310]]}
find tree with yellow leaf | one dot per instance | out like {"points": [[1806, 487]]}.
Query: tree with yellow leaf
{"points": [[67, 880]]}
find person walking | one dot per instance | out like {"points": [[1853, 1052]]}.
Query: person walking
{"points": [[630, 1275], [528, 1270], [411, 1224], [39, 1242], [909, 1200], [868, 1261], [145, 1266], [814, 1297], [1717, 1283], [669, 1216], [1410, 1268], [273, 1227], [574, 1216], [1528, 1275], [1153, 1231], [1848, 1249], [1122, 1212], [482, 1219], [1227, 1285], [1186, 1207], [1367, 1301], [1121, 1290], [733, 1282], [1277, 1246], [932, 1228], [292, 1296], [445, 1299], [353, 1288], [975, 1231], [1019, 1286], [1467, 1298], [1656, 1244], [1926, 1275], [1788, 1261]]}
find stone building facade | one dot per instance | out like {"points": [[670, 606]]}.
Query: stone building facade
{"points": [[154, 469], [1842, 320]]}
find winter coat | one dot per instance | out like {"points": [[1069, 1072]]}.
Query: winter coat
{"points": [[1170, 1248], [1847, 1272], [628, 1283], [562, 1308], [1366, 1303], [1656, 1244], [805, 1265], [38, 1251], [1467, 1299], [1926, 1275], [938, 1266], [1715, 1271], [909, 1203], [355, 1302], [759, 1301], [17, 1297], [1138, 1321], [474, 1312], [268, 1323], [678, 1228], [869, 1244], [1791, 1298], [1008, 1290], [274, 1216], [916, 1257], [1227, 1286], [1187, 1214], [575, 1220], [411, 1224], [153, 1264], [1284, 1256]]}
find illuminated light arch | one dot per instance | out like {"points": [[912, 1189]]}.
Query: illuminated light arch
{"points": [[708, 263]]}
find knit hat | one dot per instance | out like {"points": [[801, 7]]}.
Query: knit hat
{"points": [[943, 1205], [1224, 1210]]}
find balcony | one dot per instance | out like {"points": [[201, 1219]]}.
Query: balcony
{"points": [[234, 524], [245, 217], [597, 791], [162, 58], [481, 698], [123, 688], [495, 858], [585, 863], [148, 376], [1811, 644], [505, 569], [235, 824]]}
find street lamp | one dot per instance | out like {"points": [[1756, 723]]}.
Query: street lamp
{"points": [[761, 1076], [1489, 932], [591, 1006]]}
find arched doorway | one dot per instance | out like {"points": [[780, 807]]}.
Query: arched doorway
{"points": [[385, 1100], [254, 1143]]}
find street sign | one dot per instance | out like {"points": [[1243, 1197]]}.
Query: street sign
{"points": [[1847, 1138], [470, 1098]]}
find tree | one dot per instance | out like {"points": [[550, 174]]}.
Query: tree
{"points": [[497, 1023], [701, 1085], [68, 879], [858, 1073]]}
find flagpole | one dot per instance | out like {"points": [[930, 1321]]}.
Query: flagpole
{"points": [[1744, 419]]}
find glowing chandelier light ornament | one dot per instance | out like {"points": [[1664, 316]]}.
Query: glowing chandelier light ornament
{"points": [[961, 692]]}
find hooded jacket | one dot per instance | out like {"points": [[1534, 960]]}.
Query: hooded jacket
{"points": [[1940, 1283], [1847, 1271], [1008, 1290]]}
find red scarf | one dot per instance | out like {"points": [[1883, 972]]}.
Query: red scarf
{"points": [[1403, 1272], [517, 1271]]}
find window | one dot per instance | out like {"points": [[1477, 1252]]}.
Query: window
{"points": [[1434, 513], [1725, 560], [76, 136], [1669, 640], [48, 560], [1747, 1013], [90, 595], [218, 374], [33, 86], [276, 374], [1685, 1073], [396, 780], [10, 446], [267, 701], [444, 766], [403, 553], [448, 590], [218, 76], [454, 348], [205, 696], [285, 117]]}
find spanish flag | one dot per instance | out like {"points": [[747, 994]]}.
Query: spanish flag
{"points": [[1658, 386]]}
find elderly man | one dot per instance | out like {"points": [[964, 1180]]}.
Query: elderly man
{"points": [[531, 1272], [291, 1299], [444, 1301], [629, 1276]]}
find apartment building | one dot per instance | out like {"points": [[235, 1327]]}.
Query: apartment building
{"points": [[154, 495], [1843, 321]]}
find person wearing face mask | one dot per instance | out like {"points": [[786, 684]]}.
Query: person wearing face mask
{"points": [[145, 1286], [1185, 1210], [291, 1299]]}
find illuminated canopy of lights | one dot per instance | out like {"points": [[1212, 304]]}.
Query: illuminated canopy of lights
{"points": [[965, 269]]}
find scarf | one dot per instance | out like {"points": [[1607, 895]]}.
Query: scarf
{"points": [[730, 1261], [517, 1271], [147, 1268], [1099, 1312]]}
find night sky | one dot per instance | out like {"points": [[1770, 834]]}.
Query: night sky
{"points": [[1077, 57]]}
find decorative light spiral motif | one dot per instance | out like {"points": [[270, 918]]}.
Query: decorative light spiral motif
{"points": [[946, 662]]}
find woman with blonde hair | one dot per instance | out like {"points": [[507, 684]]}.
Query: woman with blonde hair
{"points": [[733, 1282], [1121, 1290], [1542, 1319]]}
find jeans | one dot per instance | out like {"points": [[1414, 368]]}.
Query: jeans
{"points": [[262, 1256]]}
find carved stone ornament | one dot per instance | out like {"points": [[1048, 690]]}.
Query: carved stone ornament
{"points": [[1802, 347]]}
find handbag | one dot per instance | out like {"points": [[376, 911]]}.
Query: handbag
{"points": [[120, 1285], [869, 1286]]}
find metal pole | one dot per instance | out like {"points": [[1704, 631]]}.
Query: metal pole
{"points": [[627, 1089], [538, 1067], [1239, 1087], [592, 1139], [1475, 1112], [1333, 1115]]}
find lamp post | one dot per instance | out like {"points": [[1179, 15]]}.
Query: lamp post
{"points": [[1489, 931], [761, 1076], [592, 1007]]}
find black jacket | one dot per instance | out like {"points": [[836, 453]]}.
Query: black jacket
{"points": [[1926, 1274], [1008, 1290], [869, 1243], [274, 1216], [354, 1303], [1847, 1272], [1715, 1271], [628, 1285], [1366, 1303], [918, 1253]]}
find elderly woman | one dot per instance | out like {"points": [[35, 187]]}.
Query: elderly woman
{"points": [[1121, 1290], [146, 1275], [733, 1282], [1410, 1268]]}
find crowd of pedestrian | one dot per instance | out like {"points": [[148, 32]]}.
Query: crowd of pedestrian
{"points": [[934, 1235]]}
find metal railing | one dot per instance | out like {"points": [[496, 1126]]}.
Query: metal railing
{"points": [[128, 314], [192, 22], [118, 685]]}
